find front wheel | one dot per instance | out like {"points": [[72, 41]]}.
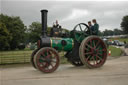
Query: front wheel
{"points": [[47, 59], [93, 52]]}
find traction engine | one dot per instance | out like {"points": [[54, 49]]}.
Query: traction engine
{"points": [[80, 47]]}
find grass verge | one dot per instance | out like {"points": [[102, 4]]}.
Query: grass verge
{"points": [[115, 52]]}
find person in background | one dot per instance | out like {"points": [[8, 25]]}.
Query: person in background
{"points": [[55, 30], [57, 24], [95, 27], [90, 25]]}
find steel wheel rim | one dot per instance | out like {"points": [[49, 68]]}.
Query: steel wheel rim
{"points": [[47, 60], [32, 58], [94, 52]]}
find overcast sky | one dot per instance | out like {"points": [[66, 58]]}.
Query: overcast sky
{"points": [[68, 13]]}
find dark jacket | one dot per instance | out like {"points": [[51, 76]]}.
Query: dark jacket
{"points": [[95, 29]]}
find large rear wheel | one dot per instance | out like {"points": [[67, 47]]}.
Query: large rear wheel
{"points": [[93, 52]]}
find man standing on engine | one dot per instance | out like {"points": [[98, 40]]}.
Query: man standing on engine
{"points": [[95, 27]]}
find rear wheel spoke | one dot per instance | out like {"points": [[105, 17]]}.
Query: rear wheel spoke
{"points": [[97, 43], [99, 57], [86, 49], [88, 53], [94, 44], [89, 46], [94, 60]]}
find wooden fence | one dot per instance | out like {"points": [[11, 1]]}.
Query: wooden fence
{"points": [[12, 57]]}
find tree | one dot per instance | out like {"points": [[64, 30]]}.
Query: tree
{"points": [[117, 32], [4, 37], [107, 32], [124, 24], [34, 31], [15, 28], [100, 33]]}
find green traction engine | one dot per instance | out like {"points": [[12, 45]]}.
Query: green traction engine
{"points": [[79, 45]]}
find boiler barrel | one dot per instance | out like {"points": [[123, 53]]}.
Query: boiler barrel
{"points": [[65, 44]]}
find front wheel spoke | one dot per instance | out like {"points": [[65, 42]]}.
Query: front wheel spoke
{"points": [[47, 65], [48, 52], [96, 60], [51, 65], [48, 56], [42, 54], [43, 59], [93, 60], [54, 60], [88, 58]]}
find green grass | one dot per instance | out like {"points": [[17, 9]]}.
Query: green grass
{"points": [[115, 52]]}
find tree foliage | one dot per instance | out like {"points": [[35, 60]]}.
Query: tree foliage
{"points": [[5, 37], [107, 32], [117, 32], [124, 24], [15, 28], [34, 31], [112, 32]]}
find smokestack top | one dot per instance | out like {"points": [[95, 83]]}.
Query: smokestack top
{"points": [[44, 10]]}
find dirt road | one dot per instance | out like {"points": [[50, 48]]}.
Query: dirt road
{"points": [[114, 72]]}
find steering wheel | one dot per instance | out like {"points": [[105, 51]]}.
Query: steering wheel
{"points": [[81, 30]]}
